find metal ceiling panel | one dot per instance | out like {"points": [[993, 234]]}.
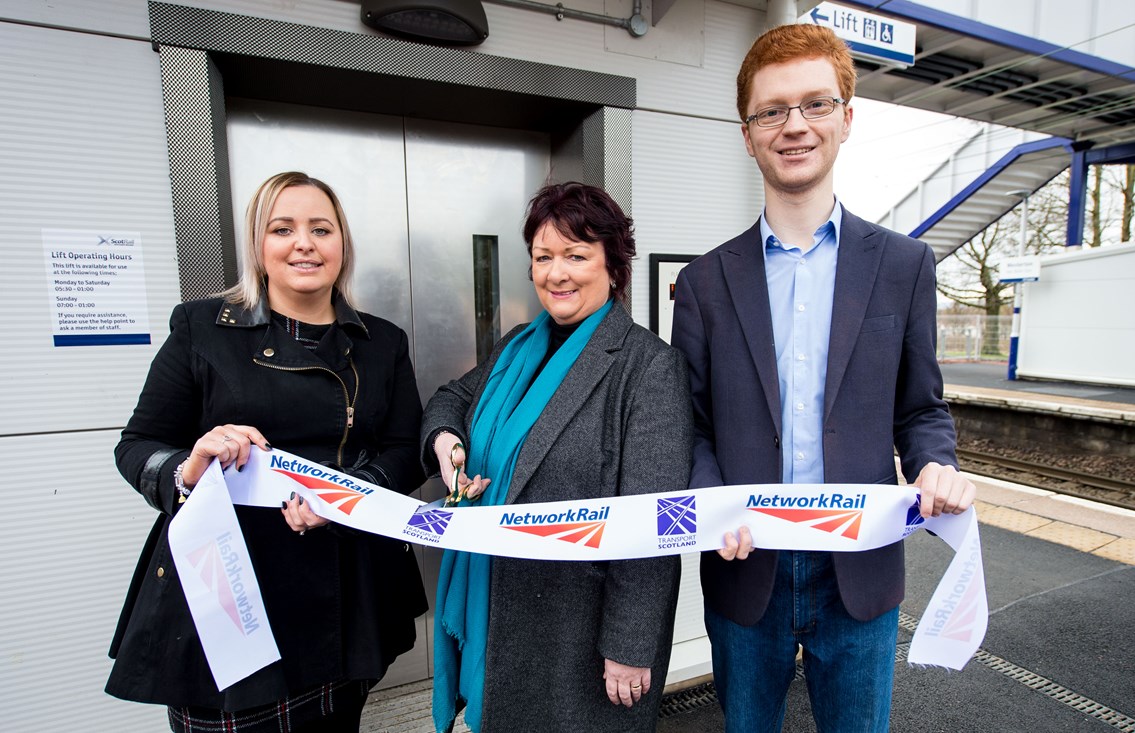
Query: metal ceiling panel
{"points": [[970, 69]]}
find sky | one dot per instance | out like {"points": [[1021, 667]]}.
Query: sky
{"points": [[892, 149]]}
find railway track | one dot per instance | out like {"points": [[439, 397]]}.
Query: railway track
{"points": [[1117, 492]]}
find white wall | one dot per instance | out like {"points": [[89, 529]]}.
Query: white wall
{"points": [[1078, 321], [82, 146]]}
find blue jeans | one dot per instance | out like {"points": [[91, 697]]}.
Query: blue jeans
{"points": [[849, 665]]}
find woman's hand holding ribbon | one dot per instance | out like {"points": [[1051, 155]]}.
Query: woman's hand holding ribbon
{"points": [[230, 444]]}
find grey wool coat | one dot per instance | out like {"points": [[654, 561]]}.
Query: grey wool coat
{"points": [[620, 423]]}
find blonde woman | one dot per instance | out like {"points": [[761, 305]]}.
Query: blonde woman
{"points": [[281, 359]]}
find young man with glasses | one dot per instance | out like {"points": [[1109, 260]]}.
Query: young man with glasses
{"points": [[811, 343]]}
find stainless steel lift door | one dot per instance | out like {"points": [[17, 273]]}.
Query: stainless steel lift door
{"points": [[418, 196]]}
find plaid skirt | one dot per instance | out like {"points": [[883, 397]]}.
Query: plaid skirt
{"points": [[293, 713]]}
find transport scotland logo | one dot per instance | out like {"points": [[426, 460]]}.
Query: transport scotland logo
{"points": [[914, 518], [677, 522], [832, 513], [428, 525], [676, 516], [579, 526]]}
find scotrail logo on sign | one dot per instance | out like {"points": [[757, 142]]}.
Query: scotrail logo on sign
{"points": [[219, 568], [428, 525], [337, 490], [833, 513], [578, 526], [677, 522]]}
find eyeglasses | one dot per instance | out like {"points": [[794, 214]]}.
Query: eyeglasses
{"points": [[811, 109]]}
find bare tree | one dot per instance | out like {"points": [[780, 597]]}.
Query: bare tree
{"points": [[1095, 205], [969, 277], [1128, 203]]}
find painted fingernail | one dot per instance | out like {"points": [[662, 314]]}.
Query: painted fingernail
{"points": [[301, 500], [267, 445], [283, 505], [239, 469], [292, 496]]}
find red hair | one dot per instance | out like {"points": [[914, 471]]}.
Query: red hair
{"points": [[793, 43]]}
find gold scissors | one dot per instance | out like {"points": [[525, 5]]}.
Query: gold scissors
{"points": [[456, 493]]}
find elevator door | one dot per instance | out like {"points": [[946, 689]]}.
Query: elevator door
{"points": [[435, 211]]}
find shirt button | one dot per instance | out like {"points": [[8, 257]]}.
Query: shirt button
{"points": [[800, 307], [799, 405], [799, 357], [161, 572], [269, 353], [800, 456]]}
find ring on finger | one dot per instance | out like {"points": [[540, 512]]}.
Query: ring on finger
{"points": [[226, 439]]}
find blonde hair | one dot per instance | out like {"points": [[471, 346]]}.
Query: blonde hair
{"points": [[251, 286]]}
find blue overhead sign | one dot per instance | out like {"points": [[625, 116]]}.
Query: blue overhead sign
{"points": [[871, 37]]}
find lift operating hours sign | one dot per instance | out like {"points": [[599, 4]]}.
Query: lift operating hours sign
{"points": [[97, 287]]}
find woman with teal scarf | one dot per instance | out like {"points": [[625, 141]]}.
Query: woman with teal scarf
{"points": [[580, 403]]}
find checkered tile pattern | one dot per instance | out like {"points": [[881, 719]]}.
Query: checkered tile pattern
{"points": [[198, 160]]}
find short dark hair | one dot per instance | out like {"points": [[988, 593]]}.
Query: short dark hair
{"points": [[584, 213]]}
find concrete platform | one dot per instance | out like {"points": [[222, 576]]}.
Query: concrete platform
{"points": [[1059, 654], [987, 383]]}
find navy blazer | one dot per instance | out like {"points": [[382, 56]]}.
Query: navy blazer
{"points": [[883, 391]]}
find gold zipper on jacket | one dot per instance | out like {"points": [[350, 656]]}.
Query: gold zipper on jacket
{"points": [[349, 399]]}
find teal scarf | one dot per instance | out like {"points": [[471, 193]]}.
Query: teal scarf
{"points": [[508, 409]]}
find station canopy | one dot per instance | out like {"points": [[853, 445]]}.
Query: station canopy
{"points": [[980, 72]]}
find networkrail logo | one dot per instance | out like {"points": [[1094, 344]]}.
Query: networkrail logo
{"points": [[956, 615], [342, 498], [833, 513], [219, 568], [677, 522], [579, 526], [428, 525]]}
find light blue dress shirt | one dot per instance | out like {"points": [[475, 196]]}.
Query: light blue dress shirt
{"points": [[801, 287]]}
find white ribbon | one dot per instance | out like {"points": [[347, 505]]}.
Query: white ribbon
{"points": [[823, 517], [220, 583]]}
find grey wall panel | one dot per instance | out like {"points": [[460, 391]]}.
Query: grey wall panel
{"points": [[694, 188], [66, 568], [82, 146], [111, 17], [707, 90]]}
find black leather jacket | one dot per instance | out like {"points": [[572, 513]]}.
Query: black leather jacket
{"points": [[341, 603]]}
